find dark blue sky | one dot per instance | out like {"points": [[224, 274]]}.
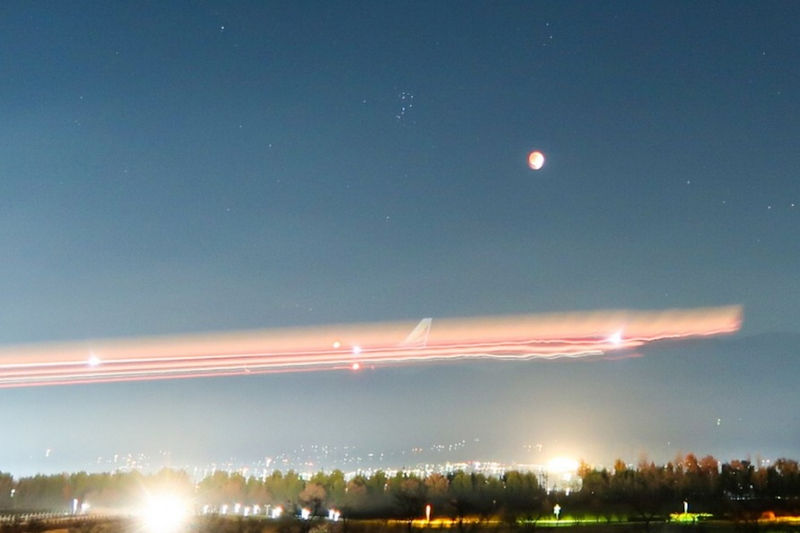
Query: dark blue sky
{"points": [[202, 166]]}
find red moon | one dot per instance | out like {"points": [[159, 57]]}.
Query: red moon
{"points": [[536, 160]]}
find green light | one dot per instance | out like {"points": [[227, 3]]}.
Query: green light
{"points": [[689, 517]]}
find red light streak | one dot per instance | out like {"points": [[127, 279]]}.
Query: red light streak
{"points": [[351, 347]]}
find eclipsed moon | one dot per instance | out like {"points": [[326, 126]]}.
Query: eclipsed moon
{"points": [[536, 160]]}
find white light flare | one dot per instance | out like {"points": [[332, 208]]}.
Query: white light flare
{"points": [[615, 338], [563, 467], [165, 513]]}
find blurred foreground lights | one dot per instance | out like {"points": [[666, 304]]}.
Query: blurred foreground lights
{"points": [[164, 513], [334, 515], [305, 513], [276, 512], [77, 507]]}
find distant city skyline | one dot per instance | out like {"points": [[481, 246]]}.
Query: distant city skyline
{"points": [[307, 460]]}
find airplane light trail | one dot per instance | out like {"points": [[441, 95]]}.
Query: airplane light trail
{"points": [[350, 347]]}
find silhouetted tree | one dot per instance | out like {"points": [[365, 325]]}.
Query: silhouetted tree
{"points": [[6, 484], [313, 496], [408, 492]]}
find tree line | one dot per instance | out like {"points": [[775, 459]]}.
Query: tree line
{"points": [[738, 489], [646, 492]]}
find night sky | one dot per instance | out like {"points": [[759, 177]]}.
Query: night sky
{"points": [[177, 167]]}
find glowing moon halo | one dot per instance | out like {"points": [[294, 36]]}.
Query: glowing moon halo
{"points": [[536, 160]]}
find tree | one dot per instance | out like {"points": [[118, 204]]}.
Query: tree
{"points": [[408, 492], [284, 489], [355, 501], [643, 491], [436, 488], [522, 495], [313, 496], [594, 493], [6, 484], [334, 485], [462, 496], [256, 492]]}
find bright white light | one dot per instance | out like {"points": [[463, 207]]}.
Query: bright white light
{"points": [[276, 512], [164, 513], [305, 513], [355, 366], [337, 344], [356, 349], [224, 509], [93, 360], [334, 515], [616, 338], [562, 465]]}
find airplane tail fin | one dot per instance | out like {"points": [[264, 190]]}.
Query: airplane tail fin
{"points": [[419, 335]]}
